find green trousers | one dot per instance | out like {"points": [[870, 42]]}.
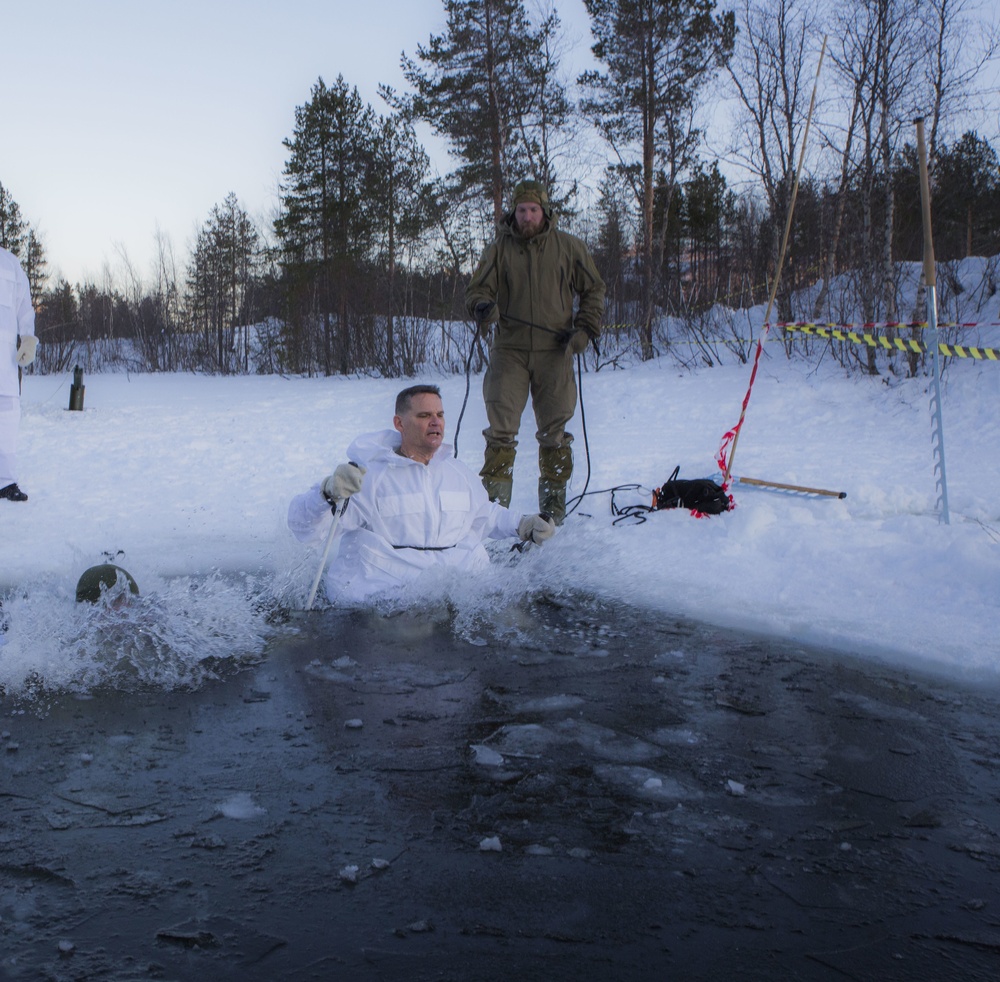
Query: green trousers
{"points": [[547, 377]]}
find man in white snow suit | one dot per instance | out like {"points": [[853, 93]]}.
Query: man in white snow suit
{"points": [[17, 349], [527, 282], [413, 506]]}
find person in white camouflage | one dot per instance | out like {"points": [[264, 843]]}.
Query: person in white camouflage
{"points": [[17, 349]]}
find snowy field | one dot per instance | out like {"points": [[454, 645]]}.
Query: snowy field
{"points": [[185, 481]]}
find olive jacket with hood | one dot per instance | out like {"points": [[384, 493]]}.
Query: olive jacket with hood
{"points": [[407, 520], [534, 282]]}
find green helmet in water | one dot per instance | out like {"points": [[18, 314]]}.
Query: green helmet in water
{"points": [[105, 576]]}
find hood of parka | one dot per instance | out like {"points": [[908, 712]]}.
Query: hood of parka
{"points": [[508, 226]]}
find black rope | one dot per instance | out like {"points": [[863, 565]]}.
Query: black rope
{"points": [[635, 512], [574, 502], [427, 548], [538, 327], [468, 371]]}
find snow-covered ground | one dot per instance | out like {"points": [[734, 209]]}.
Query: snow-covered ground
{"points": [[186, 480]]}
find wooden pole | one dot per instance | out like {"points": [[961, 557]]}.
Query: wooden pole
{"points": [[790, 487]]}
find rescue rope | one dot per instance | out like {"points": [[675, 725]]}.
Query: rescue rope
{"points": [[636, 511], [468, 376], [579, 387], [468, 366], [575, 502]]}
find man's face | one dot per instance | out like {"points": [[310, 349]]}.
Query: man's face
{"points": [[422, 426], [529, 218]]}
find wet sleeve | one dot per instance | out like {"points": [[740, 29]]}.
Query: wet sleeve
{"points": [[309, 514], [502, 522]]}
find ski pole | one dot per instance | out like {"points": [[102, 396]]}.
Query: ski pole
{"points": [[326, 552]]}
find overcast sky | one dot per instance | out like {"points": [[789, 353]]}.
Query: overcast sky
{"points": [[121, 117]]}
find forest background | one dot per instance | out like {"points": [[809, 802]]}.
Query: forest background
{"points": [[675, 158]]}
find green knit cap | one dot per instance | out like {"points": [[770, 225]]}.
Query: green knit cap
{"points": [[105, 577], [531, 191]]}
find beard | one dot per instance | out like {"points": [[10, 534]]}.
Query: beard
{"points": [[528, 230]]}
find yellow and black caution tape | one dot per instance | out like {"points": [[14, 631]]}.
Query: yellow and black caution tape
{"points": [[886, 325], [896, 344], [845, 332]]}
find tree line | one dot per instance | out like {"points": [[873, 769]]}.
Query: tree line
{"points": [[364, 267]]}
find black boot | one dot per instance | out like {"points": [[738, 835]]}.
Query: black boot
{"points": [[13, 493]]}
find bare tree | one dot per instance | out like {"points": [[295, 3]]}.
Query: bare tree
{"points": [[769, 70], [960, 45], [165, 299], [879, 56]]}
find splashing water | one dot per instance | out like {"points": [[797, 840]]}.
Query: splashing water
{"points": [[487, 607], [177, 636]]}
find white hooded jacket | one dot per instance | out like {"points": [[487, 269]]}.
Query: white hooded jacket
{"points": [[407, 518], [16, 318]]}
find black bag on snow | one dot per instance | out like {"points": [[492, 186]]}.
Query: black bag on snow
{"points": [[699, 495]]}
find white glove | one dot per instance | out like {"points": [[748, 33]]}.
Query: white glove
{"points": [[536, 528], [26, 350], [343, 482]]}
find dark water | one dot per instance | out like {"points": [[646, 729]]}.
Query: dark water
{"points": [[567, 791]]}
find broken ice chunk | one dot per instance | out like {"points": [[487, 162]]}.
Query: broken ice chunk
{"points": [[486, 756]]}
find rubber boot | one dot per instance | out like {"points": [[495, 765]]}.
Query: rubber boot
{"points": [[555, 466], [498, 472]]}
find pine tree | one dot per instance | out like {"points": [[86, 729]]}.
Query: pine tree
{"points": [[658, 55], [34, 261], [488, 85], [13, 228], [221, 281], [967, 199], [398, 189], [326, 227]]}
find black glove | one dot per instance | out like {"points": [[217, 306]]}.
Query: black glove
{"points": [[575, 339], [483, 310]]}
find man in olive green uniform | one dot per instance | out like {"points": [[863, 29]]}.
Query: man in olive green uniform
{"points": [[527, 282]]}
